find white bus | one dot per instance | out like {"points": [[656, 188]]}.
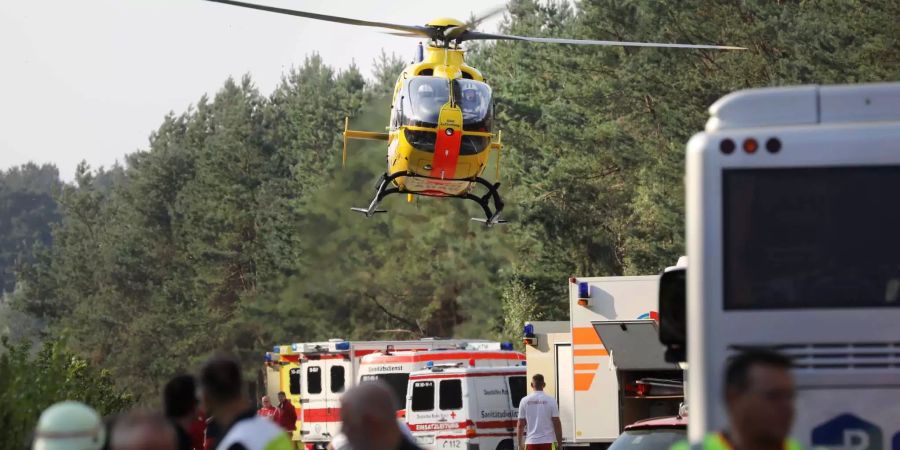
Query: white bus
{"points": [[793, 237]]}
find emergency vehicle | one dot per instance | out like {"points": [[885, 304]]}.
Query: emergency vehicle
{"points": [[793, 236], [393, 367], [605, 365], [459, 406], [327, 369]]}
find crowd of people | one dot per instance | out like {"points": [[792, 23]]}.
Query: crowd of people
{"points": [[212, 412]]}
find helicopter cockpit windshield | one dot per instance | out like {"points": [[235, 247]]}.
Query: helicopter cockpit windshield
{"points": [[474, 99], [420, 106]]}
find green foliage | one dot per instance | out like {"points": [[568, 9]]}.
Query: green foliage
{"points": [[27, 211], [29, 383]]}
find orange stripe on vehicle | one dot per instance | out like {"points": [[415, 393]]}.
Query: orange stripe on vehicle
{"points": [[586, 366], [590, 352], [583, 381], [585, 336]]}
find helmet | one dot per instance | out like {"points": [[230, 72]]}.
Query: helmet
{"points": [[69, 426], [426, 91], [470, 94]]}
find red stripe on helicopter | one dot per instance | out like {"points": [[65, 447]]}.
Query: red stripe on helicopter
{"points": [[446, 153]]}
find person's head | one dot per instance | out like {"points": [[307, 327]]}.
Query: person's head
{"points": [[143, 431], [759, 395], [469, 95], [180, 397], [221, 384], [69, 426], [537, 382], [265, 402], [281, 397], [369, 416]]}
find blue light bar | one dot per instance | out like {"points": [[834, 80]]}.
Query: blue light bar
{"points": [[584, 290], [342, 345], [506, 345], [429, 364], [276, 349], [268, 357], [529, 329], [295, 347]]}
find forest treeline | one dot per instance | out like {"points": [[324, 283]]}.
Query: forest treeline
{"points": [[232, 230]]}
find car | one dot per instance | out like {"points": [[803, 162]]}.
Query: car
{"points": [[652, 434]]}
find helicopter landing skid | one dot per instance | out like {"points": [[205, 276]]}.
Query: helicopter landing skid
{"points": [[491, 217]]}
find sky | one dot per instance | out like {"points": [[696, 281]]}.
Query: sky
{"points": [[90, 79]]}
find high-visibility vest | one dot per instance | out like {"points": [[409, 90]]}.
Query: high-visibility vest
{"points": [[716, 441]]}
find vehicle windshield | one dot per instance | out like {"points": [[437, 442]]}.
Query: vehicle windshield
{"points": [[649, 439], [425, 96], [474, 99]]}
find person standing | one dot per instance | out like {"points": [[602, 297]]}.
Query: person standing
{"points": [[180, 405], [759, 398], [286, 415], [221, 391], [538, 419], [267, 409]]}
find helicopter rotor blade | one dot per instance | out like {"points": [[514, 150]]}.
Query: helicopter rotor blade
{"points": [[485, 16], [477, 35], [411, 29]]}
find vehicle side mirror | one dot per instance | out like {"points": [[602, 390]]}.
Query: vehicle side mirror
{"points": [[673, 313]]}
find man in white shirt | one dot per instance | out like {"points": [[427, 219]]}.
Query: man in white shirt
{"points": [[538, 419]]}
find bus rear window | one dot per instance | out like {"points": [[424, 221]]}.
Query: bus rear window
{"points": [[423, 396], [451, 394], [826, 237]]}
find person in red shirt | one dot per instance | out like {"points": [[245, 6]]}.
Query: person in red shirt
{"points": [[286, 415], [267, 409]]}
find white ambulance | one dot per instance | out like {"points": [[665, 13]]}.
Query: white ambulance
{"points": [[327, 369], [458, 406], [393, 367], [605, 365]]}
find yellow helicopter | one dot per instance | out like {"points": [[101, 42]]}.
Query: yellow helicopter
{"points": [[440, 134]]}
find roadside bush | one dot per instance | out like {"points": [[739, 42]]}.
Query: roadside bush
{"points": [[30, 382]]}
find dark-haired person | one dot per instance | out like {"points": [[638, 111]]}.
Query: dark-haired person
{"points": [[221, 389], [759, 398], [285, 414], [538, 419], [180, 405]]}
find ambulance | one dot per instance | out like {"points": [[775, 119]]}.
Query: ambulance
{"points": [[460, 406], [327, 369], [605, 366], [393, 367]]}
